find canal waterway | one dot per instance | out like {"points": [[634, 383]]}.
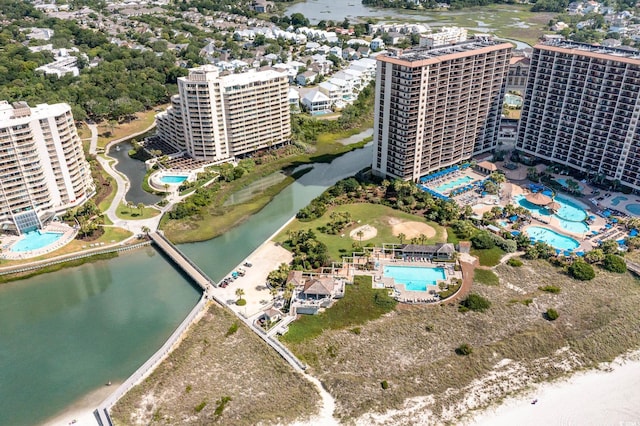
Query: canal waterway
{"points": [[135, 171], [65, 334]]}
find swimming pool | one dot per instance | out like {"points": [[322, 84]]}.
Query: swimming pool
{"points": [[570, 215], [453, 184], [633, 209], [34, 240], [615, 201], [552, 238], [512, 100], [173, 179], [414, 278]]}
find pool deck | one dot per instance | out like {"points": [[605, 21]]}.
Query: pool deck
{"points": [[407, 296], [475, 176], [68, 235]]}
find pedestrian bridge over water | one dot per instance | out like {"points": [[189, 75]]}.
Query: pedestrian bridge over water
{"points": [[182, 261]]}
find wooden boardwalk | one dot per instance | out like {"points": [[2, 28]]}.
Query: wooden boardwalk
{"points": [[182, 261], [633, 267]]}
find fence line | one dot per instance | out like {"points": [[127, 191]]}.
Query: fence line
{"points": [[102, 412], [34, 267]]}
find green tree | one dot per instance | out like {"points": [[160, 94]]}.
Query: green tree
{"points": [[581, 270], [614, 263]]}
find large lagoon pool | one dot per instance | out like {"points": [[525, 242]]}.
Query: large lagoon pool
{"points": [[34, 240], [415, 278], [634, 209], [173, 179], [453, 184], [554, 239], [570, 215]]}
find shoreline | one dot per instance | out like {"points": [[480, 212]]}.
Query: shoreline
{"points": [[81, 409], [607, 394]]}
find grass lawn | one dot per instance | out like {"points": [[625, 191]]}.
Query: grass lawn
{"points": [[485, 276], [142, 121], [489, 257], [334, 137], [357, 307], [375, 215], [134, 213]]}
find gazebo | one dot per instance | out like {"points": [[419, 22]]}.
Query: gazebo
{"points": [[538, 198]]}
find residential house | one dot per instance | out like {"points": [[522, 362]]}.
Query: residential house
{"points": [[364, 51], [307, 78], [350, 54], [333, 91], [336, 50], [316, 102], [294, 99], [377, 44]]}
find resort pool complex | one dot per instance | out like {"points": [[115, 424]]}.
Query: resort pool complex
{"points": [[555, 240], [414, 278], [570, 215], [453, 184], [35, 240], [173, 179]]}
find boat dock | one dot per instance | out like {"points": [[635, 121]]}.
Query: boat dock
{"points": [[182, 261]]}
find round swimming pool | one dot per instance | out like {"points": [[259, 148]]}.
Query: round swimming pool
{"points": [[552, 238], [570, 215]]}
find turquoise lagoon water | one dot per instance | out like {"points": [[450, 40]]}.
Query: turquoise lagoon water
{"points": [[552, 238], [570, 215], [173, 179], [453, 184], [617, 200], [35, 240], [414, 278]]}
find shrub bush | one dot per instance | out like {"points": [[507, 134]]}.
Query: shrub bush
{"points": [[516, 263], [550, 289], [475, 302], [614, 263], [232, 329], [241, 302], [384, 384], [581, 270], [464, 349], [482, 240], [552, 314]]}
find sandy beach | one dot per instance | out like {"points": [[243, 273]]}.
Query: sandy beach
{"points": [[82, 410], [609, 396]]}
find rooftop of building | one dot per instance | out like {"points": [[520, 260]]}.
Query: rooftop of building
{"points": [[463, 48], [211, 72], [590, 49], [19, 111]]}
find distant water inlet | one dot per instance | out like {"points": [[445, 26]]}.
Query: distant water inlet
{"points": [[415, 278]]}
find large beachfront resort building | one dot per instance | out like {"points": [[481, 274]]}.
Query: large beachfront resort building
{"points": [[214, 117], [43, 170], [437, 107], [582, 108]]}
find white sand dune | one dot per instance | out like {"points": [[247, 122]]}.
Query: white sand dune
{"points": [[599, 397]]}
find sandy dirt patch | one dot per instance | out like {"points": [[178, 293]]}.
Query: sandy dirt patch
{"points": [[368, 232], [411, 229]]}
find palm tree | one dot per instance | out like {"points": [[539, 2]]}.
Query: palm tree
{"points": [[422, 239], [401, 237], [239, 293], [146, 229], [360, 234], [273, 291], [141, 208]]}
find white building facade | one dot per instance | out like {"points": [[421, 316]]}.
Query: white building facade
{"points": [[215, 117], [43, 170]]}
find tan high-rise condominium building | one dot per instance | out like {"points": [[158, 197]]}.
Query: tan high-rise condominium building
{"points": [[582, 108], [217, 117], [43, 170], [437, 107]]}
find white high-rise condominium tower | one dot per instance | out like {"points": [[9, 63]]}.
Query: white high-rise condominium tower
{"points": [[437, 107], [582, 109], [217, 117], [43, 170]]}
